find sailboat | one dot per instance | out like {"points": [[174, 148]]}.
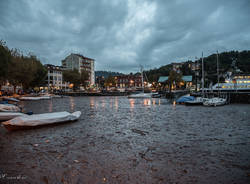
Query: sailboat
{"points": [[141, 94], [199, 100], [216, 101]]}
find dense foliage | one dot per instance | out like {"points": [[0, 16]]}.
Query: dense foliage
{"points": [[17, 69], [228, 61], [76, 78]]}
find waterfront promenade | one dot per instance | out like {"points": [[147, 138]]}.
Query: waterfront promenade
{"points": [[121, 140]]}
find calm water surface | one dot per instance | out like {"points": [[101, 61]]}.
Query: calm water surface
{"points": [[121, 140]]}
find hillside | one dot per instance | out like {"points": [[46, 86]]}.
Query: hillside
{"points": [[228, 61]]}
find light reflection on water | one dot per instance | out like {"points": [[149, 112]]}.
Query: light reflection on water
{"points": [[50, 106], [72, 103], [117, 102], [147, 102], [132, 103]]}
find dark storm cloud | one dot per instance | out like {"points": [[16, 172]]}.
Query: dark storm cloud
{"points": [[120, 34]]}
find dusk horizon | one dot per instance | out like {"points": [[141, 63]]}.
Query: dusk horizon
{"points": [[121, 35]]}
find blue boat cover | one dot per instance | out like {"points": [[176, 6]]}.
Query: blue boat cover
{"points": [[185, 98]]}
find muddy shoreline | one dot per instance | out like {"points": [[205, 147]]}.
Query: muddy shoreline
{"points": [[120, 140]]}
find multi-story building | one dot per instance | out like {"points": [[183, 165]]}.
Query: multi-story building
{"points": [[55, 77], [79, 62], [128, 81]]}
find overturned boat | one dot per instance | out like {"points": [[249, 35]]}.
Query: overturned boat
{"points": [[9, 108], [35, 98], [5, 116], [30, 121]]}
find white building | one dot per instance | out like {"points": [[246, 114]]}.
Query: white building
{"points": [[55, 77], [79, 62]]}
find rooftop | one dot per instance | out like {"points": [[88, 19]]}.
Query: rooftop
{"points": [[83, 57]]}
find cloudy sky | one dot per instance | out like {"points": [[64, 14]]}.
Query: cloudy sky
{"points": [[122, 34]]}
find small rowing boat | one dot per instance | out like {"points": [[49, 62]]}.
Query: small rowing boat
{"points": [[5, 116], [9, 108], [35, 98], [29, 121]]}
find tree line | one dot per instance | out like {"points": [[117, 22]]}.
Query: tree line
{"points": [[28, 71], [20, 70], [233, 61]]}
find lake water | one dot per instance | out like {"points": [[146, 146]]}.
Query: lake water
{"points": [[121, 140]]}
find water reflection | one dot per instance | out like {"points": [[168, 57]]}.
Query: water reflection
{"points": [[111, 103], [50, 106], [103, 103], [116, 103], [147, 102], [72, 103], [132, 103], [153, 102], [92, 102]]}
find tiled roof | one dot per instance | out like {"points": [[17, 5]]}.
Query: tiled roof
{"points": [[83, 57]]}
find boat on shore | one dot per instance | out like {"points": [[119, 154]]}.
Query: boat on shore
{"points": [[5, 116], [9, 108], [35, 98], [37, 120], [11, 99]]}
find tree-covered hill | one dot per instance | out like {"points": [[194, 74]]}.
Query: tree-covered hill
{"points": [[234, 61]]}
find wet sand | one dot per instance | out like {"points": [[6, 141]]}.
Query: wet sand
{"points": [[121, 140]]}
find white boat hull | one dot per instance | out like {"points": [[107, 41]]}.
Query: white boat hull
{"points": [[5, 116], [141, 95], [215, 102], [36, 98], [26, 121], [9, 108]]}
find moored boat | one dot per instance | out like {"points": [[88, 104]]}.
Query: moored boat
{"points": [[184, 99], [141, 95], [29, 121], [215, 102], [196, 101]]}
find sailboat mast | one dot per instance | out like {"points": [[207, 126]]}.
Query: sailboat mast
{"points": [[142, 82], [218, 79], [202, 76]]}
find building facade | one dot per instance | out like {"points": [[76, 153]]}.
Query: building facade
{"points": [[128, 81], [55, 78], [80, 62]]}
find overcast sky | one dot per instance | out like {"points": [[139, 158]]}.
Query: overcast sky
{"points": [[122, 34]]}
